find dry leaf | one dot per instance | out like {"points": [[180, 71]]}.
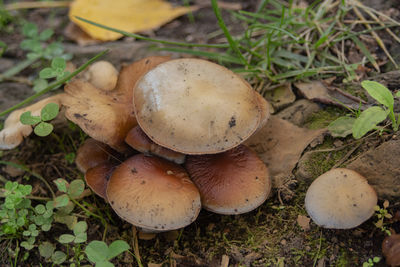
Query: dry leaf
{"points": [[73, 32], [281, 96], [303, 222], [280, 144], [130, 16], [317, 91]]}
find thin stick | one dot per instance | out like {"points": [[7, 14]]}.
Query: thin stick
{"points": [[47, 4]]}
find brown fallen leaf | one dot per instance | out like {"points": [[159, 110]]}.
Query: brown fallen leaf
{"points": [[131, 16], [280, 144], [317, 91], [281, 96], [73, 32], [303, 222]]}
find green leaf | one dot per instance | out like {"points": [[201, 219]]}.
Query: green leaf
{"points": [[61, 201], [40, 209], [31, 45], [80, 227], [43, 129], [397, 94], [46, 227], [46, 34], [117, 247], [39, 84], [97, 251], [66, 238], [58, 257], [58, 63], [104, 264], [50, 111], [76, 188], [341, 127], [61, 185], [46, 249], [27, 118], [80, 238], [47, 73], [368, 120], [70, 157], [379, 92], [30, 30]]}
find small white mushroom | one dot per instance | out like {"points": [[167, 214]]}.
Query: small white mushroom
{"points": [[340, 199], [103, 75]]}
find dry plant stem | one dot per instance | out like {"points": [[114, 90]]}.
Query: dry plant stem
{"points": [[376, 36], [2, 179], [359, 4], [47, 4], [135, 245], [372, 15], [24, 168], [345, 157]]}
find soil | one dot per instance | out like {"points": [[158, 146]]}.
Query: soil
{"points": [[271, 235]]}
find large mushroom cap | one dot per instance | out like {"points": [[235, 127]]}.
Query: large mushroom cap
{"points": [[340, 199], [233, 182], [183, 100], [153, 193]]}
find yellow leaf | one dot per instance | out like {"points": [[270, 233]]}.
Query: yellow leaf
{"points": [[130, 16]]}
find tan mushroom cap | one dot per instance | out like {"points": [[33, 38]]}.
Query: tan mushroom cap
{"points": [[92, 153], [264, 108], [139, 141], [97, 178], [232, 182], [153, 193], [340, 199], [183, 100], [103, 75], [14, 131]]}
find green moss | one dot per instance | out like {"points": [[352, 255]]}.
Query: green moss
{"points": [[321, 119], [320, 162]]}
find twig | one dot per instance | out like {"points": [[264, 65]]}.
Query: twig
{"points": [[135, 245], [47, 4], [348, 154]]}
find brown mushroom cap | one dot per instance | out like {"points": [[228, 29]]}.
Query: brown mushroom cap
{"points": [[97, 178], [188, 99], [139, 141], [153, 193], [232, 182], [107, 116], [340, 199], [92, 153], [391, 249]]}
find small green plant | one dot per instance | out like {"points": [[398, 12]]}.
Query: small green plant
{"points": [[371, 262], [42, 128], [18, 218], [101, 254], [79, 235], [56, 70], [360, 123], [382, 214]]}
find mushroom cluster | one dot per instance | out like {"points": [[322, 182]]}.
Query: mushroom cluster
{"points": [[192, 116], [167, 139]]}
